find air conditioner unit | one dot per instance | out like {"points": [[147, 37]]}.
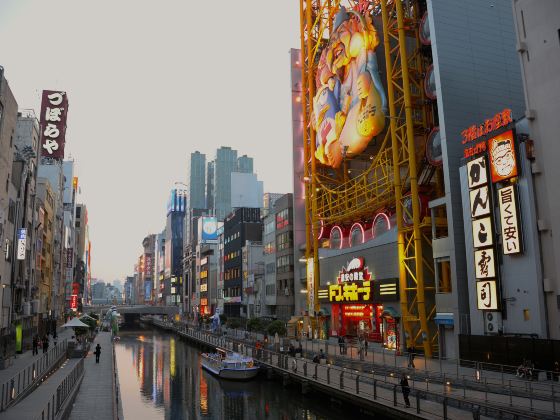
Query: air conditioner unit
{"points": [[492, 322]]}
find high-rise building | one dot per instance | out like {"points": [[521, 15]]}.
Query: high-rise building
{"points": [[538, 46], [268, 202], [174, 231], [244, 224], [8, 197], [210, 185], [224, 164], [245, 164], [196, 172]]}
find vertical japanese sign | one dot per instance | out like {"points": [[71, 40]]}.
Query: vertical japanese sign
{"points": [[74, 302], [54, 108], [310, 286], [487, 295], [22, 240], [511, 237]]}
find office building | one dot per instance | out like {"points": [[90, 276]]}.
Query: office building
{"points": [[196, 172]]}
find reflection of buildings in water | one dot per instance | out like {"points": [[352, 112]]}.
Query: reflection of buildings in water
{"points": [[203, 395]]}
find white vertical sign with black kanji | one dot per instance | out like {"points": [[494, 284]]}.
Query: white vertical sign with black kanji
{"points": [[511, 236], [487, 295], [477, 172], [482, 232]]}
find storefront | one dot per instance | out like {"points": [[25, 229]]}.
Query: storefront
{"points": [[356, 302]]}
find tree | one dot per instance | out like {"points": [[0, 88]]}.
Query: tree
{"points": [[276, 327]]}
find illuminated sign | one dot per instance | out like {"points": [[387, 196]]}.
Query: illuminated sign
{"points": [[503, 164], [310, 286], [352, 291], [354, 271], [386, 290], [480, 201], [203, 287], [477, 173], [487, 295], [232, 299], [209, 227], [501, 119], [21, 242], [357, 311], [350, 105], [54, 107], [485, 266], [74, 302], [203, 302], [204, 261], [482, 232], [511, 238]]}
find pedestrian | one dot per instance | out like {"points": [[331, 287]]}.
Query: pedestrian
{"points": [[322, 354], [365, 345], [405, 389], [300, 349], [45, 343], [97, 353], [341, 344], [556, 371], [361, 348], [344, 346], [411, 357], [35, 345]]}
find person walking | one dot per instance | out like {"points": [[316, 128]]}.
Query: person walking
{"points": [[365, 345], [556, 372], [35, 345], [361, 348], [45, 343], [97, 353], [341, 344], [405, 389]]}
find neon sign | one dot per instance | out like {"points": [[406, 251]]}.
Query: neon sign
{"points": [[501, 119]]}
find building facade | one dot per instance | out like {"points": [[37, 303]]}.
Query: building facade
{"points": [[196, 172]]}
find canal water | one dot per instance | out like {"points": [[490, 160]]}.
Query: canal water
{"points": [[161, 377]]}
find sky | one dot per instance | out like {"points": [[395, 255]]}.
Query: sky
{"points": [[148, 83]]}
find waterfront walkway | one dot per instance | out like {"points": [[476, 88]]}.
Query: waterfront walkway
{"points": [[366, 381], [96, 398]]}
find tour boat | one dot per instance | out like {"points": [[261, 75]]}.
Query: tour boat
{"points": [[229, 365]]}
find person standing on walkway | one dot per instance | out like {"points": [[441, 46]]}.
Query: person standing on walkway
{"points": [[361, 348], [365, 345], [411, 357], [405, 389], [97, 353], [556, 372], [45, 343], [341, 344], [35, 345]]}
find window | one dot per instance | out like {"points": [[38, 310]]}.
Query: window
{"points": [[269, 248], [270, 290], [78, 212], [284, 241], [284, 263], [270, 268], [269, 227], [282, 218]]}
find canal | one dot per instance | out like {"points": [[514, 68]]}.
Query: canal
{"points": [[161, 377]]}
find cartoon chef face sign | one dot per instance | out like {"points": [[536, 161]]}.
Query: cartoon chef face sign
{"points": [[502, 157]]}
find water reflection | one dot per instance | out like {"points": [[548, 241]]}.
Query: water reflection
{"points": [[161, 378]]}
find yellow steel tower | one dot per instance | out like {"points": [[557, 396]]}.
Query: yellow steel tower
{"points": [[388, 175]]}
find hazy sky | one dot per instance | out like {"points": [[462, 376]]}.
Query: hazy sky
{"points": [[148, 82]]}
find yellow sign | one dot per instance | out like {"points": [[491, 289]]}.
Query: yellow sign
{"points": [[350, 292]]}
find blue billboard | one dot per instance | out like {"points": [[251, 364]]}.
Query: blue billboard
{"points": [[147, 290], [209, 228]]}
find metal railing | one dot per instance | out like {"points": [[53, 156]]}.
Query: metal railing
{"points": [[56, 402], [30, 377], [445, 391]]}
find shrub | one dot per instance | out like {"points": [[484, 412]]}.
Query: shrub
{"points": [[276, 327], [234, 323], [223, 319]]}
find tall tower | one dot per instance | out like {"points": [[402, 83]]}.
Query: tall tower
{"points": [[197, 180]]}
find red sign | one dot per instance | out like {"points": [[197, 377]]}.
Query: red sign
{"points": [[54, 108], [477, 149], [503, 164], [74, 302], [501, 119], [75, 288]]}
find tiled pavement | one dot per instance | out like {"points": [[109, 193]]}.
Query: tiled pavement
{"points": [[96, 398]]}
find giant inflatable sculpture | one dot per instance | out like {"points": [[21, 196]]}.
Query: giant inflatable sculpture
{"points": [[350, 105]]}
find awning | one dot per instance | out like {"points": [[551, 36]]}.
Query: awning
{"points": [[389, 311], [444, 318], [325, 311]]}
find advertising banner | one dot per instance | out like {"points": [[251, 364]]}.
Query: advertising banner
{"points": [[147, 290], [22, 240], [209, 229], [487, 295], [503, 164], [509, 221], [74, 302], [54, 108], [310, 286]]}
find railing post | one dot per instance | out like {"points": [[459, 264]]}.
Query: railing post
{"points": [[418, 402], [445, 408], [305, 369], [357, 384], [375, 389], [329, 378], [341, 379], [395, 395]]}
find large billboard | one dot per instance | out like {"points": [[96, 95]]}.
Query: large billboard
{"points": [[208, 229], [54, 108], [350, 105]]}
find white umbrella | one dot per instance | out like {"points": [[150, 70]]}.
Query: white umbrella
{"points": [[75, 322]]}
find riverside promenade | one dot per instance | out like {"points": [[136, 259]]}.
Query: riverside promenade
{"points": [[96, 399], [378, 390]]}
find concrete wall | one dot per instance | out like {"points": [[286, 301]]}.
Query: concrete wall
{"points": [[538, 36], [477, 74]]}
